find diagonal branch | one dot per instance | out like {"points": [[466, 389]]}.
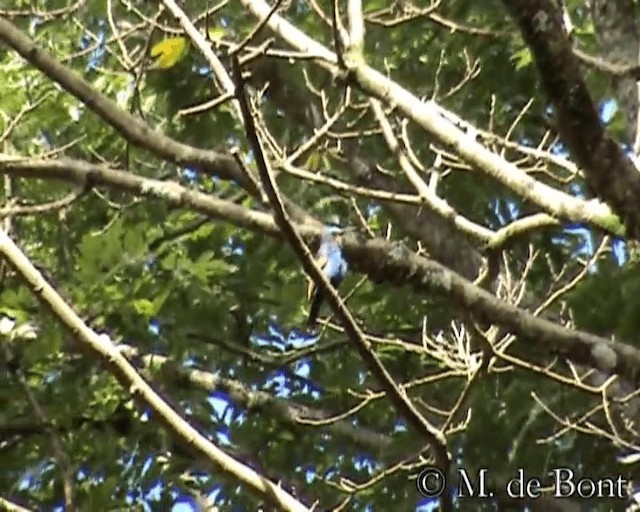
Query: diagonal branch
{"points": [[436, 120], [434, 437], [130, 127], [287, 411], [9, 506], [381, 260], [102, 347], [608, 171], [425, 193], [205, 48]]}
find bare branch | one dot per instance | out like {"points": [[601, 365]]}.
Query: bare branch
{"points": [[437, 121], [201, 43], [609, 172], [425, 193], [400, 400], [20, 210]]}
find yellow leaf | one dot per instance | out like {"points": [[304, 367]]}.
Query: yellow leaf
{"points": [[169, 52], [215, 34]]}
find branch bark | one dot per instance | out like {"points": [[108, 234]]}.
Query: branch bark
{"points": [[381, 260], [104, 349], [400, 400], [434, 119], [608, 171]]}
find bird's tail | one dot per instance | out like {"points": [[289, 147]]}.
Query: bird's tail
{"points": [[314, 311]]}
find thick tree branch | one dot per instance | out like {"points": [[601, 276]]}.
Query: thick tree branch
{"points": [[608, 171], [286, 411], [381, 260], [436, 120], [133, 129], [103, 348]]}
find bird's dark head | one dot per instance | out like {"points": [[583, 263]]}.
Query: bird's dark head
{"points": [[333, 234]]}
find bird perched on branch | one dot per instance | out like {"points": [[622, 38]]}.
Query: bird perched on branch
{"points": [[330, 259]]}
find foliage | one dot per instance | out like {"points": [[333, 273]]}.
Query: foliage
{"points": [[228, 300]]}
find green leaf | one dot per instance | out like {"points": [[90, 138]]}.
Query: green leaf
{"points": [[144, 307], [313, 161]]}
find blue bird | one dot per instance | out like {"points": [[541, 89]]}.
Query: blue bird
{"points": [[329, 258]]}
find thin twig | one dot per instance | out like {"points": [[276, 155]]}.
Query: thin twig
{"points": [[399, 398]]}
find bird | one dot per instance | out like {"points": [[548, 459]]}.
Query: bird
{"points": [[333, 265]]}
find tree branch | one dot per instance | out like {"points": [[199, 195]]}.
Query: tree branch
{"points": [[381, 260], [285, 410], [9, 506], [205, 48], [608, 171], [432, 436], [436, 120], [102, 347], [133, 129]]}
